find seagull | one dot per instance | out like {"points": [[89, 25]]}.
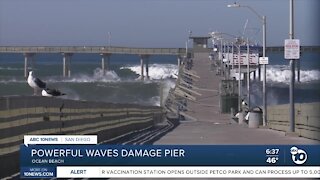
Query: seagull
{"points": [[244, 103], [35, 83], [51, 92]]}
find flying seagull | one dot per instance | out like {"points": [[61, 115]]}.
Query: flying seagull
{"points": [[35, 83], [51, 92]]}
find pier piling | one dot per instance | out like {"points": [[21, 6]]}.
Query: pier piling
{"points": [[142, 64], [67, 64], [179, 62], [147, 68], [27, 56], [105, 62], [144, 60]]}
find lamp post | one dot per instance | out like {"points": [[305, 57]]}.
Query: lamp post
{"points": [[239, 79], [187, 42], [264, 23], [221, 56], [228, 60], [232, 56], [109, 38], [292, 67], [237, 44], [219, 36]]}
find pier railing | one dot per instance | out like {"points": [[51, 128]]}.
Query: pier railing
{"points": [[92, 49], [120, 50], [25, 115], [307, 116]]}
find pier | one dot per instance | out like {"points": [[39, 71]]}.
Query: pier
{"points": [[195, 112], [30, 52], [197, 101]]}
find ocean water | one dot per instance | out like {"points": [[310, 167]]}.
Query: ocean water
{"points": [[278, 80], [119, 85], [122, 85]]}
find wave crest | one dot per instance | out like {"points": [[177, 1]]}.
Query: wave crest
{"points": [[98, 76], [156, 71], [281, 74]]}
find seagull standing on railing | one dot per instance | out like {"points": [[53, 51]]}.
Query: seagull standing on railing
{"points": [[35, 83]]}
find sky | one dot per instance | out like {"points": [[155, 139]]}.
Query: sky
{"points": [[150, 23]]}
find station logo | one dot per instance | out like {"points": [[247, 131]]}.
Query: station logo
{"points": [[299, 156]]}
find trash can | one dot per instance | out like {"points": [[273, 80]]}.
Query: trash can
{"points": [[255, 118]]}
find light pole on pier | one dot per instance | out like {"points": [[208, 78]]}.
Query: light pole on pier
{"points": [[239, 79], [187, 42], [109, 39], [221, 56], [238, 42], [264, 23], [219, 36], [292, 67], [248, 72]]}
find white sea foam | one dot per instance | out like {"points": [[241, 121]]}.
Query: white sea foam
{"points": [[275, 73], [165, 86], [11, 68], [156, 71], [12, 80], [155, 101], [281, 74], [110, 76]]}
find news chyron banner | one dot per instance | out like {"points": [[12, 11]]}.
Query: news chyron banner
{"points": [[82, 157]]}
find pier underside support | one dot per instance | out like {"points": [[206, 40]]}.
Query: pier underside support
{"points": [[147, 68], [144, 60], [105, 62], [27, 57], [259, 73], [141, 66], [179, 62], [67, 64], [245, 78]]}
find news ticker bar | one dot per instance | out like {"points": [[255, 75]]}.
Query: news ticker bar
{"points": [[178, 172]]}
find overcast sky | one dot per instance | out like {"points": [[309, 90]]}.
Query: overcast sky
{"points": [[149, 23]]}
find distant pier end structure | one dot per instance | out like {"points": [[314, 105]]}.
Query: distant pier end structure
{"points": [[29, 53], [200, 43]]}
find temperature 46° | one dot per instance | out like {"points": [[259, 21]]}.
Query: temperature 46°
{"points": [[272, 160]]}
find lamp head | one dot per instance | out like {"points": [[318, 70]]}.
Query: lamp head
{"points": [[233, 5]]}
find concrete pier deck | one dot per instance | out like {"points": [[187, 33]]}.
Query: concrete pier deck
{"points": [[211, 127], [214, 128]]}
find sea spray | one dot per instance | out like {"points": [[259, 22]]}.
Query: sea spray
{"points": [[97, 76], [156, 71], [281, 74], [87, 82]]}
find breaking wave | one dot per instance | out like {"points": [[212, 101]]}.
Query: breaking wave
{"points": [[98, 76], [156, 71], [281, 74]]}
